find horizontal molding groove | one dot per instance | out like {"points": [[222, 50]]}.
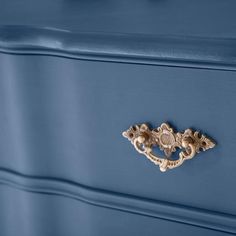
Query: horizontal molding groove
{"points": [[118, 201], [170, 50]]}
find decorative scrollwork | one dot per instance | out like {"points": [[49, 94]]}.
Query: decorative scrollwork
{"points": [[144, 140]]}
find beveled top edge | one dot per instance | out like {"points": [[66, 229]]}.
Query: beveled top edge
{"points": [[169, 50]]}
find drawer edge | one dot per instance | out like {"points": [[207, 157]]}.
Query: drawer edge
{"points": [[119, 201], [167, 50]]}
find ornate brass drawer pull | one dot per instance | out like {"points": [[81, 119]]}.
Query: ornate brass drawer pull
{"points": [[145, 139]]}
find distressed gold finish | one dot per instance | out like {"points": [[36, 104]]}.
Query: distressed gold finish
{"points": [[145, 140]]}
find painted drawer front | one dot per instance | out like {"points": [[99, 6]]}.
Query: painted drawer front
{"points": [[63, 118]]}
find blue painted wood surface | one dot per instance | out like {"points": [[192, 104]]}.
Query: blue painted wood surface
{"points": [[74, 75]]}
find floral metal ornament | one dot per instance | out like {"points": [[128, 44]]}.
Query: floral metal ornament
{"points": [[144, 140]]}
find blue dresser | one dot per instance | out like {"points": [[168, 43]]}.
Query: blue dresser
{"points": [[117, 118]]}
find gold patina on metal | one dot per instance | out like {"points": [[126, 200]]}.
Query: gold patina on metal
{"points": [[145, 140]]}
